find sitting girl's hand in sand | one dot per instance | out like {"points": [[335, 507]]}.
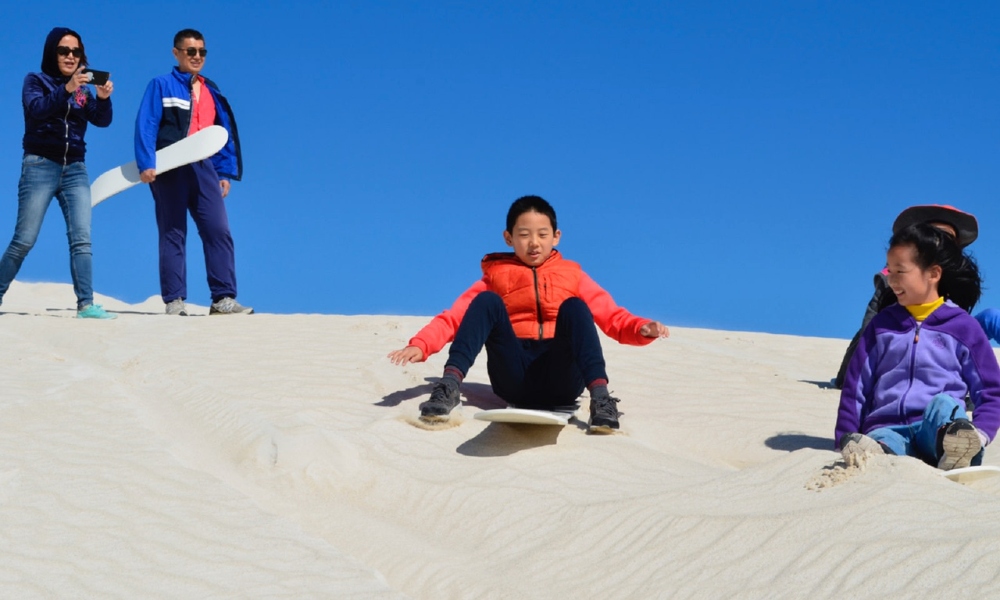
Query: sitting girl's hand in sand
{"points": [[654, 330], [406, 355]]}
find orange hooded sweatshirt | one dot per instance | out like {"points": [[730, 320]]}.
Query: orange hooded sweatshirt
{"points": [[533, 296]]}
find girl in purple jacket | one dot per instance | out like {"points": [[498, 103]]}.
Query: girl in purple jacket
{"points": [[918, 360]]}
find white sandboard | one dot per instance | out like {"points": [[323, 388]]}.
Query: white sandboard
{"points": [[524, 415], [970, 474], [191, 149]]}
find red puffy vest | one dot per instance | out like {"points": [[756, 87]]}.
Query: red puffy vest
{"points": [[532, 295]]}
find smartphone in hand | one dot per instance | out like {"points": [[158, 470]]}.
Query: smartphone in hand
{"points": [[97, 77]]}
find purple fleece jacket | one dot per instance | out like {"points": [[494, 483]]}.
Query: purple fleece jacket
{"points": [[900, 365]]}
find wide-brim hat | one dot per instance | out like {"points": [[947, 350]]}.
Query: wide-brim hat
{"points": [[966, 226]]}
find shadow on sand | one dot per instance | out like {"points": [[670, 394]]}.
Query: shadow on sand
{"points": [[790, 442], [504, 439], [478, 395], [823, 385]]}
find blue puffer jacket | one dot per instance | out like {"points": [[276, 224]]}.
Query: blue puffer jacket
{"points": [[901, 365], [55, 121], [165, 117]]}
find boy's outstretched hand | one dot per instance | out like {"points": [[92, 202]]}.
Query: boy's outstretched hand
{"points": [[654, 329], [406, 355]]}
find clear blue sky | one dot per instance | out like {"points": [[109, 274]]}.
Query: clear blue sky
{"points": [[732, 165]]}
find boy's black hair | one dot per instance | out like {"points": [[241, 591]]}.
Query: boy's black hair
{"points": [[960, 280], [184, 34], [528, 204]]}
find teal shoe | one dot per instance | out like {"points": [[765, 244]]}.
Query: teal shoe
{"points": [[94, 311]]}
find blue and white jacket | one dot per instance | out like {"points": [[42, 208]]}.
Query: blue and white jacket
{"points": [[165, 117], [900, 365]]}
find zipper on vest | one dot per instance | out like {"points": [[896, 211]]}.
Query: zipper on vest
{"points": [[538, 304], [69, 106]]}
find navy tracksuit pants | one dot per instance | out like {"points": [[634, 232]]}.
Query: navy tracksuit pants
{"points": [[193, 187], [530, 373]]}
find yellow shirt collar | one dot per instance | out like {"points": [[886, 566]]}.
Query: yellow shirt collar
{"points": [[922, 311]]}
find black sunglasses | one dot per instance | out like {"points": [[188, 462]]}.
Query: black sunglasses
{"points": [[66, 51], [191, 51]]}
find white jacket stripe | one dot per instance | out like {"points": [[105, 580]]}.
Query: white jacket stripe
{"points": [[177, 102]]}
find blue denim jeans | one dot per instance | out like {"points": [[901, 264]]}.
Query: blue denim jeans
{"points": [[919, 439], [530, 373], [41, 180]]}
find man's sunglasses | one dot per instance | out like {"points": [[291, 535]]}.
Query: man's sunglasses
{"points": [[66, 51], [192, 51]]}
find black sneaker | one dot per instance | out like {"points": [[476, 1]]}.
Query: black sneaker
{"points": [[443, 399], [958, 444], [603, 414]]}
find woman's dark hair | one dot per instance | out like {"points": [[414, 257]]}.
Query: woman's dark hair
{"points": [[50, 61], [960, 280], [530, 204]]}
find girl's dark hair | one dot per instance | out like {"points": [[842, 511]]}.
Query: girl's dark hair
{"points": [[960, 280]]}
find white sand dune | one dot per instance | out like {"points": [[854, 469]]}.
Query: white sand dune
{"points": [[275, 456]]}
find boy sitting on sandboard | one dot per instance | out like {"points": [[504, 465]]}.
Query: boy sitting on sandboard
{"points": [[534, 312]]}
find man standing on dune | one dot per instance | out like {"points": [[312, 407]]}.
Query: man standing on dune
{"points": [[175, 106]]}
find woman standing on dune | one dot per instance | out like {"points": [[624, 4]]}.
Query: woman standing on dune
{"points": [[58, 105]]}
